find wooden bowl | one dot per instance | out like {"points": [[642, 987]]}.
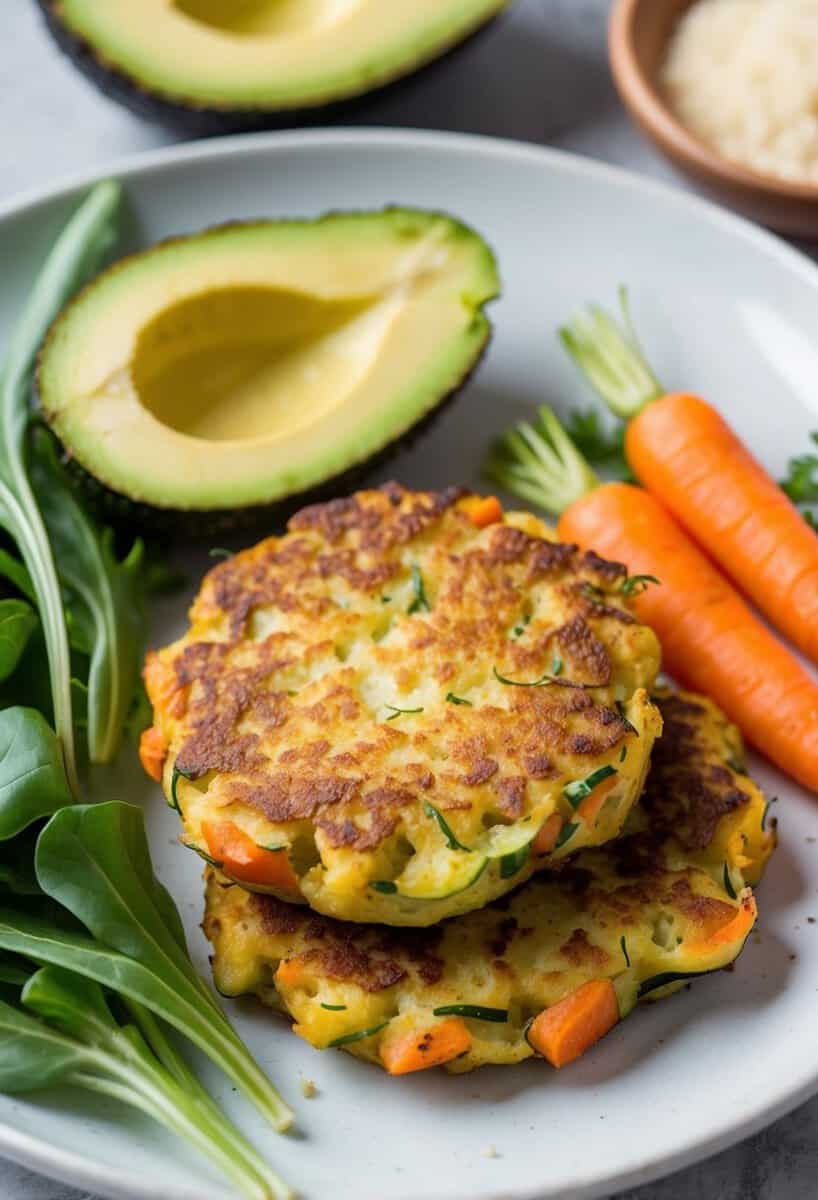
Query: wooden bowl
{"points": [[638, 37]]}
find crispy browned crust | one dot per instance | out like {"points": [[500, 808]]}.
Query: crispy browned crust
{"points": [[689, 787], [323, 754], [607, 889]]}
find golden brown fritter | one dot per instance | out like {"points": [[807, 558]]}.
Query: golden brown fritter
{"points": [[399, 702], [646, 911]]}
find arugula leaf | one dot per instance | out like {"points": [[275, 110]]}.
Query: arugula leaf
{"points": [[18, 620], [32, 1056], [15, 970], [33, 782], [94, 860], [116, 1060], [169, 995], [16, 872], [74, 258], [105, 598], [13, 570]]}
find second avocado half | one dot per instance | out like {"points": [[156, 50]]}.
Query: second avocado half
{"points": [[213, 66]]}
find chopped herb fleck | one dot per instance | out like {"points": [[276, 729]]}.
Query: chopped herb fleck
{"points": [[220, 552], [421, 600], [476, 1011], [592, 592], [349, 1038], [445, 828], [623, 753], [334, 1007], [576, 791], [556, 666], [519, 630], [624, 946], [385, 886], [543, 681], [397, 712], [634, 585], [728, 884], [452, 699]]}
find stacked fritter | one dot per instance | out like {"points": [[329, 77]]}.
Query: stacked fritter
{"points": [[413, 709]]}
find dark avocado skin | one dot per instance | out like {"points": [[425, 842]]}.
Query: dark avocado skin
{"points": [[197, 121], [205, 524]]}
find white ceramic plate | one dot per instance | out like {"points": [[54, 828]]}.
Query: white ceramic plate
{"points": [[724, 309]]}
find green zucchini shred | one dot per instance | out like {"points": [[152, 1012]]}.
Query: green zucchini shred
{"points": [[576, 791]]}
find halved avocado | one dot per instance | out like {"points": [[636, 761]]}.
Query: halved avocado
{"points": [[215, 65], [250, 364]]}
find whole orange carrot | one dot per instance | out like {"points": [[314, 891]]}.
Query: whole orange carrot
{"points": [[711, 640], [687, 455]]}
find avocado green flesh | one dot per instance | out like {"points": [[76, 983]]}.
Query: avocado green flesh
{"points": [[269, 54], [248, 363]]}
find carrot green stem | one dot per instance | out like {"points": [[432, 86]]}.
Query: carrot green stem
{"points": [[539, 463], [610, 357]]}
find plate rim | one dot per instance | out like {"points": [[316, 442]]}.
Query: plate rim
{"points": [[78, 1170]]}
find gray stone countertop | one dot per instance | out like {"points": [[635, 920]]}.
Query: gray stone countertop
{"points": [[541, 75]]}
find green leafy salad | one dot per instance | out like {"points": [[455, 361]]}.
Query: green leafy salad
{"points": [[97, 989]]}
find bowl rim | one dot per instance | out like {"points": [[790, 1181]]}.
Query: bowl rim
{"points": [[657, 119]]}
